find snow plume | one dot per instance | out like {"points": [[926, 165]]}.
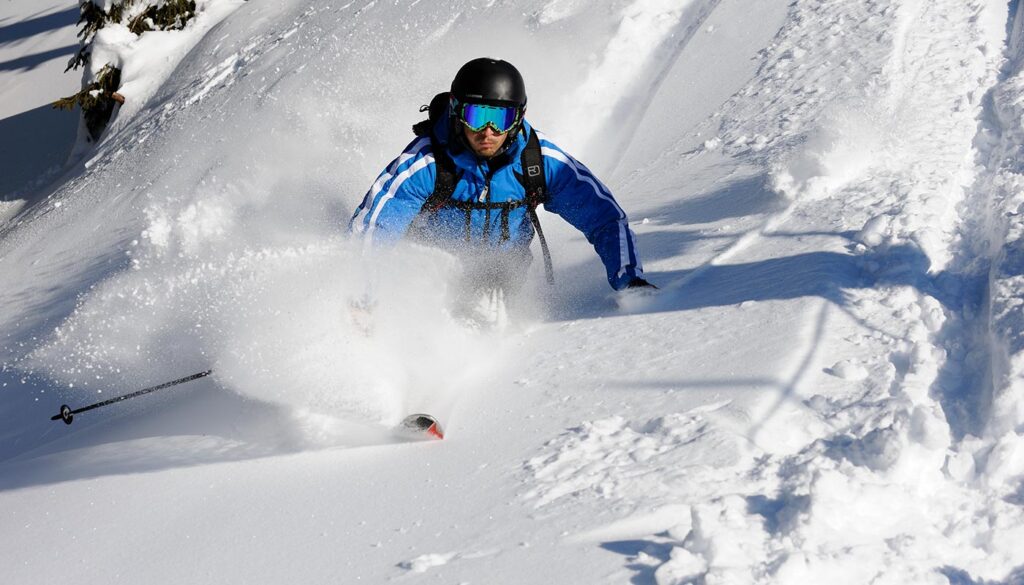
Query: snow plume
{"points": [[218, 281], [849, 140]]}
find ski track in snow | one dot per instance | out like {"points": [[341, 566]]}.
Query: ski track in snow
{"points": [[873, 167], [891, 142], [617, 90], [1006, 246]]}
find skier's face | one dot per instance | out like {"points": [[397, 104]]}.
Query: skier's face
{"points": [[485, 143]]}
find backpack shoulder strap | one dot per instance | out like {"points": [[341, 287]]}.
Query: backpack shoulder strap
{"points": [[533, 179], [444, 181], [446, 177], [535, 184]]}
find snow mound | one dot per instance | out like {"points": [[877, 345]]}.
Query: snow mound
{"points": [[846, 144], [617, 458]]}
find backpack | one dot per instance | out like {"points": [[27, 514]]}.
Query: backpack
{"points": [[532, 180]]}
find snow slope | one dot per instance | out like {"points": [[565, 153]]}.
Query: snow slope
{"points": [[37, 37], [826, 389]]}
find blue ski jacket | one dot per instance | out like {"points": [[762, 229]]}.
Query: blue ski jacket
{"points": [[573, 192]]}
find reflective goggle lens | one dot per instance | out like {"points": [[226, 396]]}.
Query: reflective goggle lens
{"points": [[477, 117]]}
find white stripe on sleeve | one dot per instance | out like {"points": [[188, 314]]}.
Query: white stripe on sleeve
{"points": [[623, 249], [599, 188], [602, 192], [375, 189], [395, 185]]}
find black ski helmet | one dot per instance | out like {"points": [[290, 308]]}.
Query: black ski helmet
{"points": [[490, 81]]}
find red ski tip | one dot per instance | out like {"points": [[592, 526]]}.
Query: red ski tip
{"points": [[435, 431], [421, 426]]}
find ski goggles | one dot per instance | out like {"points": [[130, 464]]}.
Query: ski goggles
{"points": [[476, 117]]}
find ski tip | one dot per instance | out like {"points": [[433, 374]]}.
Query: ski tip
{"points": [[422, 426]]}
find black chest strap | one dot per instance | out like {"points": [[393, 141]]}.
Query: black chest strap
{"points": [[532, 179]]}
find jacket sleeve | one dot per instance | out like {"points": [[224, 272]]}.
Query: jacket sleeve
{"points": [[396, 197], [575, 194]]}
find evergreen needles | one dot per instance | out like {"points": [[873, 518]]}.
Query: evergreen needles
{"points": [[98, 95]]}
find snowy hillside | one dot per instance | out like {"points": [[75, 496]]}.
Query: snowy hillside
{"points": [[829, 387]]}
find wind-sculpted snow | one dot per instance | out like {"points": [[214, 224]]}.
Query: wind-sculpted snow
{"points": [[615, 458]]}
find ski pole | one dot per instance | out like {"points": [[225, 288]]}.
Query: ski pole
{"points": [[67, 415]]}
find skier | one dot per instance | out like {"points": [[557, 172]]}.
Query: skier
{"points": [[472, 179]]}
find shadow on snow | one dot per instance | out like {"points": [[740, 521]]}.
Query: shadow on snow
{"points": [[29, 62], [19, 31], [34, 146]]}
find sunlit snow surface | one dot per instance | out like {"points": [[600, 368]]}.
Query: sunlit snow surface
{"points": [[826, 389]]}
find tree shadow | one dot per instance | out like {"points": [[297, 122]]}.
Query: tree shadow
{"points": [[34, 146], [963, 383], [29, 62], [24, 29], [785, 389], [671, 243], [823, 274], [738, 198]]}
